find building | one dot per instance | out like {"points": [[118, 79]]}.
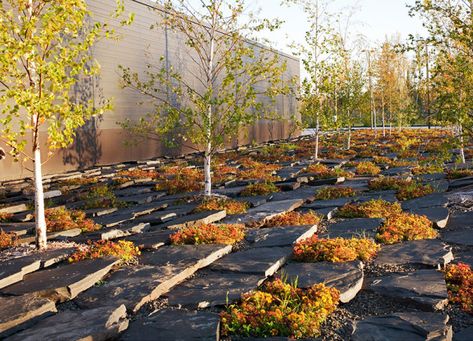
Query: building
{"points": [[101, 141]]}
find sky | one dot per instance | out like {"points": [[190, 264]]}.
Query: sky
{"points": [[375, 19]]}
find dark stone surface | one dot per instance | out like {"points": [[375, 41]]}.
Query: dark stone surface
{"points": [[346, 277], [459, 229], [396, 171], [259, 261], [279, 236], [206, 217], [389, 196], [426, 288], [420, 252], [319, 204], [428, 201], [161, 270], [98, 324], [17, 310], [358, 227], [438, 215], [175, 325], [14, 270], [63, 282], [212, 288], [404, 326], [151, 240], [464, 335]]}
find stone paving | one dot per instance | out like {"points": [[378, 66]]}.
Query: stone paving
{"points": [[176, 292]]}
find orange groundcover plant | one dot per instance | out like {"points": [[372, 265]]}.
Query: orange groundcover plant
{"points": [[280, 309], [62, 219], [459, 278], [334, 250], [124, 250], [376, 208], [405, 226], [209, 234], [7, 239], [294, 219]]}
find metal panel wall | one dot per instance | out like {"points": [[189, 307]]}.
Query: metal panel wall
{"points": [[102, 140]]}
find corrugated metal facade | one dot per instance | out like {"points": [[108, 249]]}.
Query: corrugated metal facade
{"points": [[102, 141]]}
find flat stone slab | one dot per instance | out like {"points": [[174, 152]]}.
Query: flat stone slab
{"points": [[319, 204], [438, 215], [428, 201], [404, 326], [151, 240], [464, 334], [459, 229], [212, 288], [98, 324], [169, 324], [160, 271], [17, 310], [196, 218], [431, 252], [306, 193], [258, 215], [14, 270], [260, 261], [427, 288], [358, 227], [346, 277], [279, 236], [63, 282], [389, 196]]}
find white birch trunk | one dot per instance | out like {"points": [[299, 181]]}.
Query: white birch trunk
{"points": [[40, 221], [317, 127], [207, 171]]}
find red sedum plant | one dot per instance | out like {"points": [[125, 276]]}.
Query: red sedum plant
{"points": [[376, 208], [334, 250], [405, 226], [294, 219], [217, 204], [7, 239], [62, 219], [124, 250], [263, 188], [459, 278], [329, 193], [228, 234], [413, 190], [367, 168], [280, 309]]}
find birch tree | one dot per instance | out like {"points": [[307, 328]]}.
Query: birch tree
{"points": [[209, 102], [44, 49]]}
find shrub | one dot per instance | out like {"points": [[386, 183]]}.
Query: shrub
{"points": [[334, 250], [101, 197], [367, 168], [5, 217], [387, 182], [280, 309], [375, 208], [414, 190], [209, 234], [217, 204], [328, 193], [62, 219], [405, 226], [262, 188], [7, 239], [124, 250], [294, 219], [459, 280], [181, 180], [459, 173]]}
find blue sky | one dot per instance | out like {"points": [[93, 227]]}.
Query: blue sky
{"points": [[375, 19]]}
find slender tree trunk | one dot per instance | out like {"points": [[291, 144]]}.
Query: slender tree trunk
{"points": [[40, 221], [349, 137], [462, 143], [383, 114], [207, 170], [317, 128]]}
